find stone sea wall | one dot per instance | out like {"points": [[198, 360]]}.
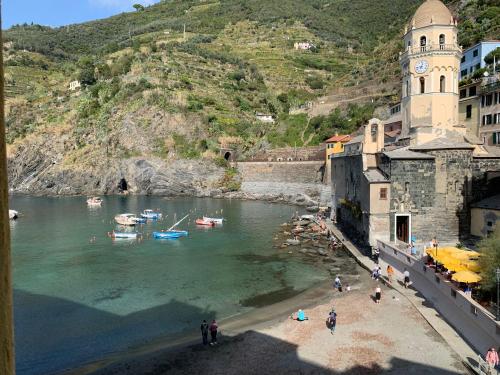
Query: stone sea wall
{"points": [[291, 182]]}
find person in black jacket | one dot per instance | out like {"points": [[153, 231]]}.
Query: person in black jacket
{"points": [[204, 332]]}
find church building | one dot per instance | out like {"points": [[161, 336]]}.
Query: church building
{"points": [[420, 185]]}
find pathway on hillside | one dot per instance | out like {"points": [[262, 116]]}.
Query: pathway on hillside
{"points": [[417, 300]]}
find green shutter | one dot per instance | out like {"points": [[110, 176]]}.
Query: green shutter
{"points": [[494, 138]]}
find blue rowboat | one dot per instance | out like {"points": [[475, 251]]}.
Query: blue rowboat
{"points": [[150, 214], [170, 234], [140, 220]]}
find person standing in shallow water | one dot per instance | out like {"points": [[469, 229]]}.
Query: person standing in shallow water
{"points": [[213, 332], [204, 332]]}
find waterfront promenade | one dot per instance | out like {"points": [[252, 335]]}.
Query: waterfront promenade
{"points": [[434, 319]]}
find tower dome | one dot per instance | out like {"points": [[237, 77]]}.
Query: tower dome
{"points": [[431, 12]]}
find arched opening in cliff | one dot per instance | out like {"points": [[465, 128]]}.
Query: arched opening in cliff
{"points": [[122, 185], [227, 156]]}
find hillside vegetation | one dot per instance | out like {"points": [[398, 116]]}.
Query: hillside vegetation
{"points": [[151, 90]]}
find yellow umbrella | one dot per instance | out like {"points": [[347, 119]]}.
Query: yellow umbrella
{"points": [[440, 257], [472, 265], [455, 266], [466, 277]]}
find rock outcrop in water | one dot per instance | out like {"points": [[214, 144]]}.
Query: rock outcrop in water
{"points": [[38, 167]]}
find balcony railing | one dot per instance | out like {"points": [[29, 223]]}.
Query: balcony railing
{"points": [[429, 48]]}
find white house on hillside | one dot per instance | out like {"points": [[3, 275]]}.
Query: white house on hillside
{"points": [[74, 85]]}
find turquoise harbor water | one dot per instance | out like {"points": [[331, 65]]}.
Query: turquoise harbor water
{"points": [[77, 299]]}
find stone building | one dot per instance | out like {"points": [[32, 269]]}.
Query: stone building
{"points": [[489, 114], [484, 217], [420, 184]]}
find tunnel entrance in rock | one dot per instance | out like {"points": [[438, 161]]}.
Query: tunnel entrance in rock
{"points": [[122, 185], [227, 155]]}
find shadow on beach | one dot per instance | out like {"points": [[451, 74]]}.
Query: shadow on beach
{"points": [[251, 353]]}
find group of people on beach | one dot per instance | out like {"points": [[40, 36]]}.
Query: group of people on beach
{"points": [[212, 328]]}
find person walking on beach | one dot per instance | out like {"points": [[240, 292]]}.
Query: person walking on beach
{"points": [[492, 359], [204, 332], [332, 320], [406, 275], [390, 273], [338, 284], [213, 332], [378, 294]]}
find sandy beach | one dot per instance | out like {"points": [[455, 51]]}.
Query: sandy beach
{"points": [[390, 337]]}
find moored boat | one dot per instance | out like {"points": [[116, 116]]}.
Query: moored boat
{"points": [[214, 219], [170, 234], [114, 234], [209, 223], [129, 219], [150, 214], [94, 201], [13, 214]]}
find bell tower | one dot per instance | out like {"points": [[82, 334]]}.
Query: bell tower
{"points": [[430, 65]]}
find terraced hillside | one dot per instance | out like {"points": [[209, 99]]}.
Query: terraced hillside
{"points": [[155, 92]]}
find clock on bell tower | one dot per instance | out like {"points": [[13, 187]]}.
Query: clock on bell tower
{"points": [[430, 66]]}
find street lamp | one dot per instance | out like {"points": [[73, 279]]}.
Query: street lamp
{"points": [[497, 272]]}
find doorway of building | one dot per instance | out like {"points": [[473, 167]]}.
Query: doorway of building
{"points": [[403, 228]]}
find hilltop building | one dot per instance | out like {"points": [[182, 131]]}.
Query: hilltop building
{"points": [[421, 183], [473, 57], [303, 46], [264, 117], [74, 85]]}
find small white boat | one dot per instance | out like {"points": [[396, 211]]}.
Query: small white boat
{"points": [[94, 201], [150, 214], [214, 219], [128, 219], [114, 234], [13, 214]]}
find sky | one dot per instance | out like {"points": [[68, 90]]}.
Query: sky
{"points": [[63, 12]]}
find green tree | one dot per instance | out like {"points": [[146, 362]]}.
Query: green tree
{"points": [[138, 7], [489, 261], [86, 75], [495, 54]]}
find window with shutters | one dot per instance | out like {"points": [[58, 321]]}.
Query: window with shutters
{"points": [[383, 193]]}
